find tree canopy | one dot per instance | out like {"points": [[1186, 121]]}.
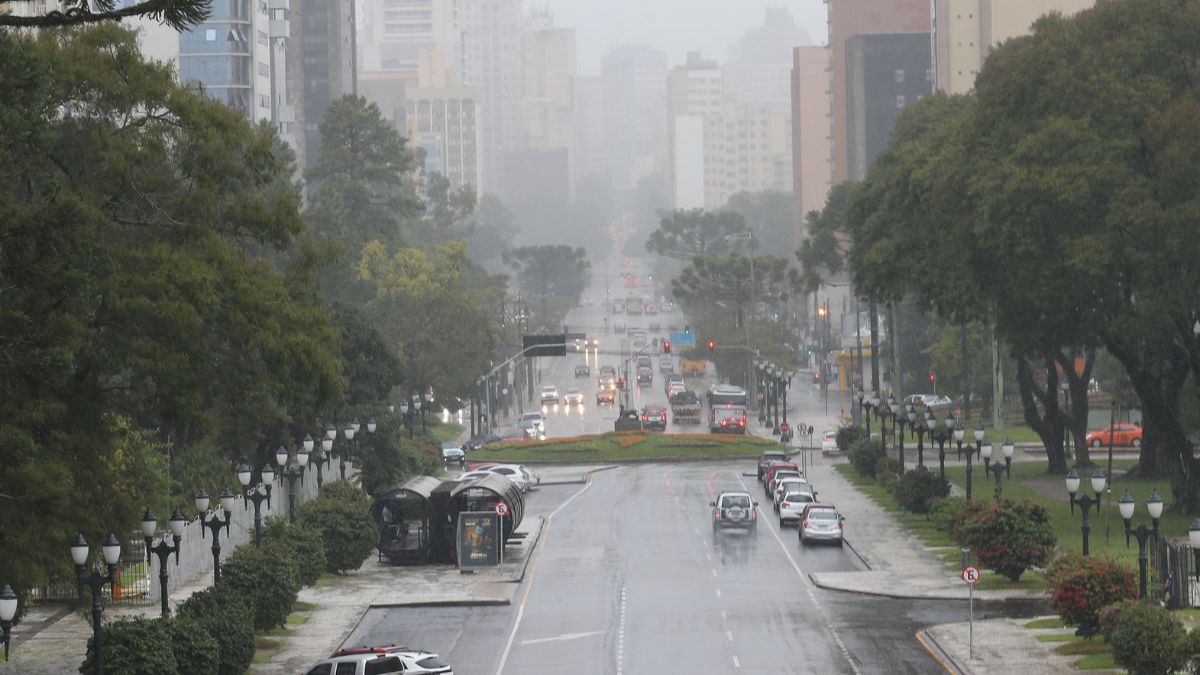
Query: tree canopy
{"points": [[552, 279], [685, 234], [178, 14]]}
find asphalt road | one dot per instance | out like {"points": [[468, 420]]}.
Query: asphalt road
{"points": [[628, 578]]}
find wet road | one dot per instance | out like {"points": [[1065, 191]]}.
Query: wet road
{"points": [[628, 578]]}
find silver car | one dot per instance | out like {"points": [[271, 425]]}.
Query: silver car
{"points": [[791, 507], [820, 522]]}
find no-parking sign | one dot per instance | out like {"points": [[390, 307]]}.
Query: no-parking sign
{"points": [[971, 575]]}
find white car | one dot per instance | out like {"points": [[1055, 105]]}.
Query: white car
{"points": [[791, 506], [536, 419], [549, 394], [792, 484], [518, 474], [574, 396], [829, 444], [381, 660]]}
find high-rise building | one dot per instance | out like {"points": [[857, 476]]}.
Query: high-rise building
{"points": [[848, 18], [548, 91], [395, 32], [694, 92], [590, 156], [320, 66], [760, 63], [966, 30], [444, 122], [747, 148], [491, 31], [811, 161], [635, 112], [885, 72]]}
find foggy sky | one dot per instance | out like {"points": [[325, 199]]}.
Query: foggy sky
{"points": [[678, 26]]}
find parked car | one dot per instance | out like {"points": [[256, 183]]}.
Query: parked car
{"points": [[792, 505], [517, 473], [654, 417], [381, 660], [453, 452], [765, 460], [583, 370], [734, 509], [731, 420], [776, 467], [779, 475], [820, 522], [791, 484], [1123, 435], [829, 444], [927, 400], [478, 441], [574, 396], [549, 394]]}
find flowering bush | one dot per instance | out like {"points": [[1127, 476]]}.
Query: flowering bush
{"points": [[1079, 587], [967, 512], [630, 439], [1148, 639], [1009, 537]]}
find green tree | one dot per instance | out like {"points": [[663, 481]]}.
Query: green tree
{"points": [[823, 252], [178, 14], [552, 279], [695, 232]]}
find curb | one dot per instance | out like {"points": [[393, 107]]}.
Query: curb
{"points": [[457, 602], [901, 595], [585, 478], [529, 557], [939, 654]]}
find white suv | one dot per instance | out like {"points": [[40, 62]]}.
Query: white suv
{"points": [[381, 660], [549, 394]]}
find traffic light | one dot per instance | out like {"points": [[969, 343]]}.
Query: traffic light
{"points": [[932, 377], [666, 346], [712, 345]]}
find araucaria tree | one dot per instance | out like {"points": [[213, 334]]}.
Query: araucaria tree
{"points": [[552, 278]]}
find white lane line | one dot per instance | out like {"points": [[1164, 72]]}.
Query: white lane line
{"points": [[724, 617], [729, 635], [562, 638], [524, 599], [808, 588], [621, 636], [736, 663], [718, 592], [714, 573]]}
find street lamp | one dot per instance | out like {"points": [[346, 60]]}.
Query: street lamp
{"points": [[418, 401], [319, 458], [1194, 540], [875, 408], [785, 383], [95, 580], [8, 610], [997, 470], [1154, 506], [1008, 449], [986, 453], [884, 411], [257, 494], [350, 430], [163, 550], [292, 471], [1086, 502], [213, 522], [404, 408], [943, 435]]}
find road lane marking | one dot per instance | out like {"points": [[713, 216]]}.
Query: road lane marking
{"points": [[714, 573], [718, 592], [736, 663], [808, 588], [729, 635], [562, 638], [621, 636], [533, 575]]}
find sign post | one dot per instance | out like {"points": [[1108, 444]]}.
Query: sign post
{"points": [[970, 576], [501, 511]]}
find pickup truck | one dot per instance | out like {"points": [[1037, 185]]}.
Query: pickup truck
{"points": [[685, 407], [693, 367], [629, 420]]}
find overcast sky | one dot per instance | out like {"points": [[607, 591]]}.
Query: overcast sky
{"points": [[677, 26]]}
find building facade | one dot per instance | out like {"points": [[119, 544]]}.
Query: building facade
{"points": [[811, 159], [747, 148], [885, 72], [548, 93], [848, 18], [695, 91], [966, 30], [635, 113], [491, 35], [320, 66], [760, 63], [590, 156], [445, 123], [395, 32]]}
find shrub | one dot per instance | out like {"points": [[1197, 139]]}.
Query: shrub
{"points": [[944, 512], [848, 435], [864, 454], [1079, 587], [1147, 639], [134, 647], [1106, 620], [266, 580], [302, 546], [970, 512], [918, 489], [342, 514], [197, 649], [1010, 537], [885, 472], [229, 618], [1193, 649]]}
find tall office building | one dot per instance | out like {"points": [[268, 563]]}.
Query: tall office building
{"points": [[444, 122], [848, 18], [548, 91], [491, 34], [394, 33], [635, 112], [966, 30], [760, 63], [320, 66], [694, 92], [747, 148], [885, 72], [590, 155], [811, 161]]}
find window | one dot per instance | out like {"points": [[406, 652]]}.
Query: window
{"points": [[899, 74], [900, 101], [323, 669], [210, 35], [264, 70], [346, 668]]}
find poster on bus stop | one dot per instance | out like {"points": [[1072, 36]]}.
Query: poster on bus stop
{"points": [[478, 539]]}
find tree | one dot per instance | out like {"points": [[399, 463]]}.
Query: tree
{"points": [[178, 14], [695, 232], [823, 252], [552, 278], [493, 231]]}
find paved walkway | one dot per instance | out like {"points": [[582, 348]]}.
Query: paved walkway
{"points": [[53, 641]]}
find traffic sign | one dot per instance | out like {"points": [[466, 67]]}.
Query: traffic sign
{"points": [[684, 339], [971, 575], [802, 430], [501, 509]]}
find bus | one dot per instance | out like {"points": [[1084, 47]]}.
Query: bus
{"points": [[725, 395]]}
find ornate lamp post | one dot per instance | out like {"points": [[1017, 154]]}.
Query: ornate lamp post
{"points": [[319, 458], [292, 471], [1194, 540], [1086, 502], [785, 383], [925, 428], [163, 550], [213, 522], [986, 453], [760, 370], [8, 610], [777, 387], [418, 401], [350, 431], [95, 580], [884, 411], [979, 435], [997, 471], [1154, 506], [404, 409], [875, 409], [257, 494], [943, 436], [1008, 449]]}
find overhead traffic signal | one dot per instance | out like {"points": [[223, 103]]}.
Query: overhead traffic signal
{"points": [[712, 345], [932, 377], [666, 346]]}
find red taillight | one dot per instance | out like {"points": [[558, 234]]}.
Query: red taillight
{"points": [[754, 513], [741, 423], [839, 524], [786, 505], [804, 523]]}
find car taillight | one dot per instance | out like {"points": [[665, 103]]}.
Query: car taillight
{"points": [[839, 524], [804, 523], [754, 513], [741, 423], [786, 505]]}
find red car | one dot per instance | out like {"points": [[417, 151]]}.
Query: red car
{"points": [[1123, 435]]}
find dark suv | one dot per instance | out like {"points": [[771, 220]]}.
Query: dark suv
{"points": [[735, 509], [654, 417], [765, 459]]}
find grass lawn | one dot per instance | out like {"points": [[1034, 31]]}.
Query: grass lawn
{"points": [[627, 445], [1049, 622], [444, 432]]}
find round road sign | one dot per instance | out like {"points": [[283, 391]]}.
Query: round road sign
{"points": [[802, 429], [970, 575], [501, 509]]}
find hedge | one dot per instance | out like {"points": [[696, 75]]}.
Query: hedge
{"points": [[918, 488], [1148, 639], [864, 454], [229, 618], [1009, 536], [1080, 586], [134, 647], [302, 546], [342, 514], [266, 580]]}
